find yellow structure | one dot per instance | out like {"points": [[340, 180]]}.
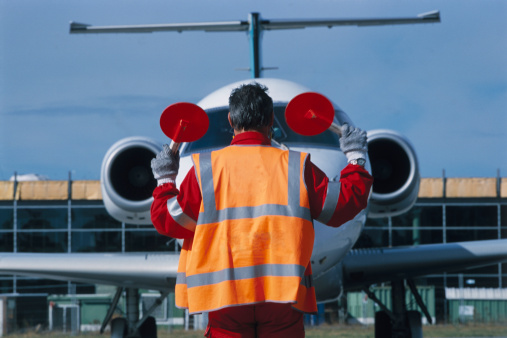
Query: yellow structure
{"points": [[90, 190]]}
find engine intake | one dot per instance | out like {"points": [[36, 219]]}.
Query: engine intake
{"points": [[127, 181], [395, 171]]}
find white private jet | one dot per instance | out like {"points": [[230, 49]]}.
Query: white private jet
{"points": [[127, 186]]}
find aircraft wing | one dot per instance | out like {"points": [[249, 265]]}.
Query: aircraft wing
{"points": [[364, 267], [157, 271], [241, 25], [154, 271]]}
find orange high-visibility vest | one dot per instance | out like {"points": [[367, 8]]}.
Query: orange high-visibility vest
{"points": [[254, 235]]}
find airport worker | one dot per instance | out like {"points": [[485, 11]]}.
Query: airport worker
{"points": [[246, 214]]}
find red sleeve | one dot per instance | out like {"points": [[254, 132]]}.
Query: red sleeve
{"points": [[354, 189], [316, 184], [188, 200]]}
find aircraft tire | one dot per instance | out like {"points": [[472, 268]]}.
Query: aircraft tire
{"points": [[149, 328], [119, 327], [414, 321], [383, 326]]}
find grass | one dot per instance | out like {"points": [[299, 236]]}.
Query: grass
{"points": [[323, 331]]}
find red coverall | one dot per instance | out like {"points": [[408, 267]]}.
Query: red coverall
{"points": [[265, 319]]}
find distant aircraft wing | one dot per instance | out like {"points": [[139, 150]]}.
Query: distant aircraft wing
{"points": [[154, 271], [241, 25], [364, 267]]}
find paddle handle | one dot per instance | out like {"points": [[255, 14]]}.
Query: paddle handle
{"points": [[181, 128], [336, 129], [174, 146], [311, 115]]}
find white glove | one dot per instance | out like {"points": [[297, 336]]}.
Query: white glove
{"points": [[353, 142], [166, 165]]}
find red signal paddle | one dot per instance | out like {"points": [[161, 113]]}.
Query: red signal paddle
{"points": [[311, 114], [183, 122]]}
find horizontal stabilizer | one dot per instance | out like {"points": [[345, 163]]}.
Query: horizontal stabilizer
{"points": [[76, 26], [239, 26], [433, 15], [429, 17], [221, 26]]}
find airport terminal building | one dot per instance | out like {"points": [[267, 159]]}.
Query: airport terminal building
{"points": [[70, 217]]}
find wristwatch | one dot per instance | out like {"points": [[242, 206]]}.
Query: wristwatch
{"points": [[358, 161]]}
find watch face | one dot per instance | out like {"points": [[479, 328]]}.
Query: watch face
{"points": [[361, 161]]}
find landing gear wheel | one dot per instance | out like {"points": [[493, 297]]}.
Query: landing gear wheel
{"points": [[118, 328], [149, 328], [383, 326]]}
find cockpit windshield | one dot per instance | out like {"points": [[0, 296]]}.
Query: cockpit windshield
{"points": [[220, 133]]}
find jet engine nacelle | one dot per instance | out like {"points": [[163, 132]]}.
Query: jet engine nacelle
{"points": [[127, 181], [395, 171]]}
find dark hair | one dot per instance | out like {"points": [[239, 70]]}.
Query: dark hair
{"points": [[250, 107]]}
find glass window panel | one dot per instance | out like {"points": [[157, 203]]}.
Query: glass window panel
{"points": [[6, 285], [462, 216], [470, 235], [503, 220], [437, 281], [219, 134], [93, 218], [36, 285], [42, 218], [6, 219], [139, 226], [490, 269], [39, 285], [372, 238], [6, 242], [416, 237], [486, 282], [286, 135], [145, 241], [480, 282], [45, 241], [430, 216], [99, 241], [377, 222], [82, 288]]}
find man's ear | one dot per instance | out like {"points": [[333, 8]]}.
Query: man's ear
{"points": [[229, 118]]}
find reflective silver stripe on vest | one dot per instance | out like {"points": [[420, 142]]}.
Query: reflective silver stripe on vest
{"points": [[232, 274], [177, 213], [259, 211], [208, 190], [181, 278], [293, 209], [331, 201]]}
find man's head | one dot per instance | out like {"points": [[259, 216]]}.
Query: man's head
{"points": [[250, 108]]}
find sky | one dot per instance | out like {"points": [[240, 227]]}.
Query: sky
{"points": [[65, 99]]}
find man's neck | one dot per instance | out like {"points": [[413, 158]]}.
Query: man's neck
{"points": [[264, 131], [250, 137]]}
